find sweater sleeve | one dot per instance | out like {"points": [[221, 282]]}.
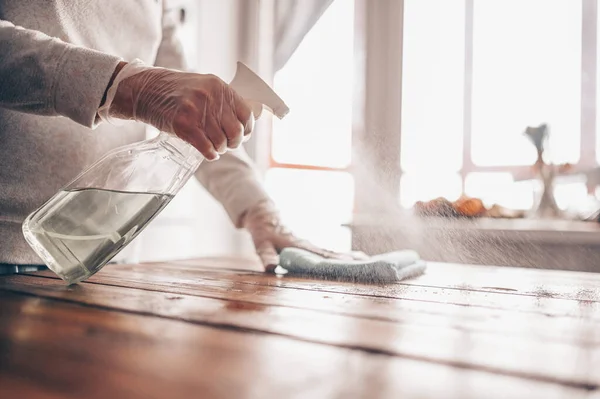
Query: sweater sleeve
{"points": [[44, 75], [232, 180]]}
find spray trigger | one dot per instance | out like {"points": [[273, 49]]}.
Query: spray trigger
{"points": [[257, 92]]}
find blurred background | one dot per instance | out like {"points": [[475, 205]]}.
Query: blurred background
{"points": [[398, 103]]}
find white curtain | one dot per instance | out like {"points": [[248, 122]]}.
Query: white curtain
{"points": [[293, 20]]}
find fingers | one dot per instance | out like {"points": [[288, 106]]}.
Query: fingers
{"points": [[359, 255], [352, 256], [227, 117], [187, 127], [199, 139], [308, 246], [223, 135], [216, 134], [229, 122], [209, 114], [233, 130], [199, 108], [268, 255], [243, 111]]}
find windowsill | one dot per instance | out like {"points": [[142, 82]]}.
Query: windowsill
{"points": [[542, 244], [531, 230]]}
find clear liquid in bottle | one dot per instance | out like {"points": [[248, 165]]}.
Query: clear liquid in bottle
{"points": [[81, 230]]}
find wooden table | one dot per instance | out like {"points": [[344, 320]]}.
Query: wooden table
{"points": [[192, 329]]}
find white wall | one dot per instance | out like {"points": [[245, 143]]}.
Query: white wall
{"points": [[194, 224]]}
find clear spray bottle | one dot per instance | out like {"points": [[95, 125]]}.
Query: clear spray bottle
{"points": [[91, 219]]}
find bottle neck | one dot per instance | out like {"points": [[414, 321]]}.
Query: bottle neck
{"points": [[187, 151]]}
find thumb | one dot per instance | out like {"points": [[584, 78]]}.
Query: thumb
{"points": [[268, 255]]}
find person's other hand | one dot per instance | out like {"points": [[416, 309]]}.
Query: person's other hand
{"points": [[270, 236], [201, 109]]}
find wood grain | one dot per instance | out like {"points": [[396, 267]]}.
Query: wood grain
{"points": [[544, 302], [568, 363], [52, 349], [579, 286], [581, 331], [498, 279]]}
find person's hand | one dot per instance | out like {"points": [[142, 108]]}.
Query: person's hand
{"points": [[270, 236], [200, 109]]}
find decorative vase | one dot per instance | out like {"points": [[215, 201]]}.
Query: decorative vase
{"points": [[545, 206]]}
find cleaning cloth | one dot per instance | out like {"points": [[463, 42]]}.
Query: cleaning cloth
{"points": [[384, 268]]}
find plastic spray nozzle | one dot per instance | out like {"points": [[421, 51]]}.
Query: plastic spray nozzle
{"points": [[257, 92]]}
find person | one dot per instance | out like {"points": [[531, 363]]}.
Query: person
{"points": [[58, 63]]}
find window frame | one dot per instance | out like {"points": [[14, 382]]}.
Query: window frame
{"points": [[588, 94], [373, 25], [378, 55]]}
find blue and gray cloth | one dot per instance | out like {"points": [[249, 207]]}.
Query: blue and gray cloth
{"points": [[384, 268]]}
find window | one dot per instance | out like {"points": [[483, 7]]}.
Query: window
{"points": [[525, 75], [432, 100], [311, 147], [475, 75]]}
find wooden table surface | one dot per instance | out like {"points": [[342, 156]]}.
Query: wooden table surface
{"points": [[210, 328]]}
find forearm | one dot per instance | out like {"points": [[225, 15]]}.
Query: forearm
{"points": [[234, 181], [43, 75]]}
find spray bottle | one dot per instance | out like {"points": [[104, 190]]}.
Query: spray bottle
{"points": [[91, 219]]}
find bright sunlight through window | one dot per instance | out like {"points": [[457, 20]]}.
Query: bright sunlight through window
{"points": [[517, 63], [317, 85]]}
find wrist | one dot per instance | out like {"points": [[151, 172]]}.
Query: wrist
{"points": [[118, 68], [122, 103], [120, 94]]}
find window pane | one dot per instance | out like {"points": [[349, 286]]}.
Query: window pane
{"points": [[432, 84], [526, 71], [501, 189], [314, 204], [316, 83], [571, 196], [427, 186]]}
